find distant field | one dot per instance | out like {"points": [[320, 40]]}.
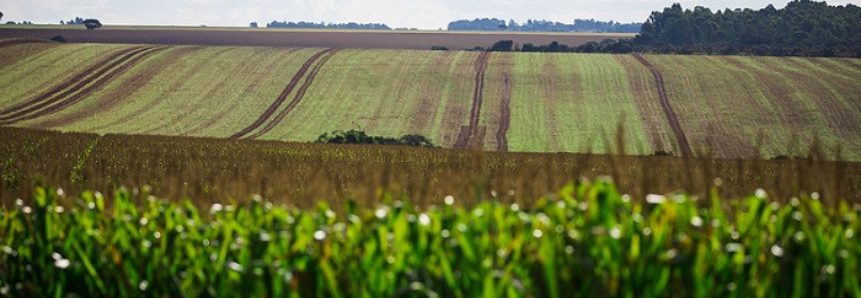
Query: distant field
{"points": [[729, 107], [339, 39]]}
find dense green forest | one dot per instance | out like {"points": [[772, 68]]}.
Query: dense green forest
{"points": [[803, 28], [579, 25]]}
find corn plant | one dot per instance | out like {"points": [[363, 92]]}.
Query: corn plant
{"points": [[585, 241]]}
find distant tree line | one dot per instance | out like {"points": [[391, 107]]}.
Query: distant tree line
{"points": [[75, 21], [579, 25], [607, 46], [89, 23], [322, 25], [360, 137], [803, 28]]}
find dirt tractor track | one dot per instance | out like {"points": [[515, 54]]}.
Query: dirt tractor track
{"points": [[504, 114], [283, 97], [684, 146], [300, 94], [470, 140], [78, 87]]}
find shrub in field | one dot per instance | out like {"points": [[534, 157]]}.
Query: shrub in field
{"points": [[360, 137], [587, 241], [59, 38], [92, 24]]}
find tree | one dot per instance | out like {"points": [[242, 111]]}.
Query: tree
{"points": [[502, 46], [253, 25], [1, 15], [92, 24]]}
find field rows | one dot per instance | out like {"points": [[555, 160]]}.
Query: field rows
{"points": [[726, 106]]}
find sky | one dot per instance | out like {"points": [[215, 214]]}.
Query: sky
{"points": [[422, 14]]}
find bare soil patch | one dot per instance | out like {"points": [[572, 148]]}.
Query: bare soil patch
{"points": [[303, 38], [504, 114]]}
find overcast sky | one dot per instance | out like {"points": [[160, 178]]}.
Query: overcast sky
{"points": [[424, 14]]}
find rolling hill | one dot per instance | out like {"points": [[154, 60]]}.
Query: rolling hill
{"points": [[729, 106]]}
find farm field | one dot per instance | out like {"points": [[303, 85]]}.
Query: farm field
{"points": [[708, 106], [210, 170], [339, 39], [586, 241]]}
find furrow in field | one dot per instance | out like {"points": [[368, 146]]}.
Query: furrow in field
{"points": [[475, 112], [643, 91], [156, 94], [125, 92], [504, 114], [75, 83], [299, 94], [283, 96], [255, 88], [62, 104], [665, 104], [23, 51]]}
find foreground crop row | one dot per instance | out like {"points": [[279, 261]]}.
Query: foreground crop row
{"points": [[587, 240]]}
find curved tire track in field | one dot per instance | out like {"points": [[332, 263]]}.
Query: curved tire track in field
{"points": [[123, 92], [465, 142], [504, 114], [299, 93], [75, 81], [281, 98], [83, 88], [684, 146]]}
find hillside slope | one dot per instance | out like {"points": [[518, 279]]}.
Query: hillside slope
{"points": [[730, 106]]}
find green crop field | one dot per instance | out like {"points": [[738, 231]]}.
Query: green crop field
{"points": [[725, 106]]}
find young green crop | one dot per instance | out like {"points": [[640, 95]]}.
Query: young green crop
{"points": [[587, 241]]}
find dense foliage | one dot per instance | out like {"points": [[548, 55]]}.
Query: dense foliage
{"points": [[323, 25], [588, 241], [579, 25], [803, 27], [360, 137]]}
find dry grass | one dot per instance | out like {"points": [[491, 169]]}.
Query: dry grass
{"points": [[300, 174]]}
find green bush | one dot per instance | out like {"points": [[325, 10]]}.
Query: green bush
{"points": [[586, 241], [360, 137]]}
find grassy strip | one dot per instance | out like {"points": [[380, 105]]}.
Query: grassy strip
{"points": [[587, 240]]}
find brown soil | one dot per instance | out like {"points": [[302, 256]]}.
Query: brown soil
{"points": [[665, 103], [281, 98], [477, 98], [79, 81], [504, 114], [299, 94], [462, 141], [125, 64], [300, 38]]}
